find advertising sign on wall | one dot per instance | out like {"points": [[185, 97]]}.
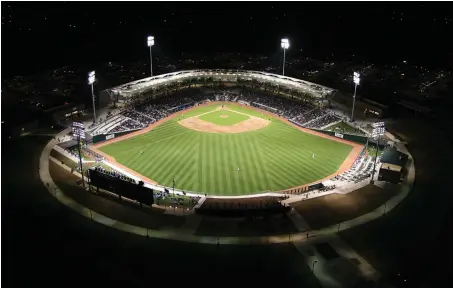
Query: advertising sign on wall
{"points": [[339, 135]]}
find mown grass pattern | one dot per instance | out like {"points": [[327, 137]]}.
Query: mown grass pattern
{"points": [[273, 158]]}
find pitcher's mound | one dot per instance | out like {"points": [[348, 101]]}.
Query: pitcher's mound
{"points": [[254, 123], [223, 116]]}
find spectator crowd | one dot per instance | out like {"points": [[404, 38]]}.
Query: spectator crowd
{"points": [[142, 113]]}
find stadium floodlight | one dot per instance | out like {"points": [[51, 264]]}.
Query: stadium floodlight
{"points": [[378, 124], [78, 131], [91, 80], [356, 79], [285, 45], [378, 131], [151, 44]]}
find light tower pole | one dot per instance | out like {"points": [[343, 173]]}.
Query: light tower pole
{"points": [[378, 131], [78, 131], [91, 80], [356, 79], [285, 45], [151, 44]]}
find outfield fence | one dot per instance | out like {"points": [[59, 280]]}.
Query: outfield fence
{"points": [[104, 137], [351, 137]]}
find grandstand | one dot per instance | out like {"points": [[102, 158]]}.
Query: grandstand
{"points": [[315, 90], [149, 100]]}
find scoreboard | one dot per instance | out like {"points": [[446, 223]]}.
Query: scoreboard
{"points": [[124, 188]]}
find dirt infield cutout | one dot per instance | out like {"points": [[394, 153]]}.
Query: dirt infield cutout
{"points": [[251, 124]]}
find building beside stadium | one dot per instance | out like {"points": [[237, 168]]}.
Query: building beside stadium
{"points": [[393, 165]]}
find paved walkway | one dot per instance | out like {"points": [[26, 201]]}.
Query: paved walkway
{"points": [[343, 270], [298, 221]]}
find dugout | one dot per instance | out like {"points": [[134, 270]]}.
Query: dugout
{"points": [[393, 163]]}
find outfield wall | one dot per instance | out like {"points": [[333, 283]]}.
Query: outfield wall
{"points": [[354, 138], [350, 137], [102, 137]]}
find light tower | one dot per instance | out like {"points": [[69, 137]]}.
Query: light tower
{"points": [[151, 44], [285, 45], [356, 79], [78, 131], [378, 131], [91, 80]]}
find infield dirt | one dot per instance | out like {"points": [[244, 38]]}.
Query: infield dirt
{"points": [[251, 124]]}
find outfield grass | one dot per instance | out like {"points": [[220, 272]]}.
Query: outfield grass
{"points": [[224, 117], [276, 157]]}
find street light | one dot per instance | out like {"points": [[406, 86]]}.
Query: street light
{"points": [[356, 79], [378, 131], [151, 44], [91, 80], [285, 45]]}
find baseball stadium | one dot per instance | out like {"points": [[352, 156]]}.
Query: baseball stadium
{"points": [[229, 144], [223, 145], [233, 158]]}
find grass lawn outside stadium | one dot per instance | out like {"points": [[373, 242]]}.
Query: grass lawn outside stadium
{"points": [[275, 157]]}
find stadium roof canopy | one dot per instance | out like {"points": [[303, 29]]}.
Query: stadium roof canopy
{"points": [[394, 157], [145, 84]]}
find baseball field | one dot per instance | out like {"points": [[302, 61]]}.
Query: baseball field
{"points": [[229, 150]]}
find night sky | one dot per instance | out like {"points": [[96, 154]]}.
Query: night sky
{"points": [[44, 35]]}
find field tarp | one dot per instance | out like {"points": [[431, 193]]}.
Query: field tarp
{"points": [[103, 137]]}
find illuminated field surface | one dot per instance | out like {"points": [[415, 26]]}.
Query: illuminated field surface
{"points": [[275, 157]]}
